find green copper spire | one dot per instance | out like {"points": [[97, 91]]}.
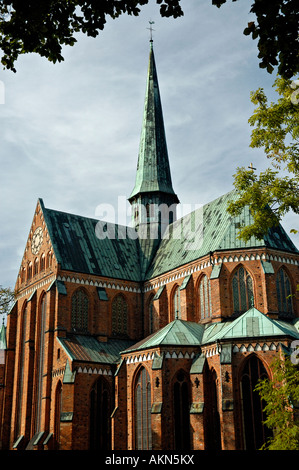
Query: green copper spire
{"points": [[153, 171]]}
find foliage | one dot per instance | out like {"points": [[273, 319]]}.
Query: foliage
{"points": [[280, 395], [274, 192], [276, 29], [45, 26], [7, 297]]}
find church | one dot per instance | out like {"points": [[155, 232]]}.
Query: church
{"points": [[148, 337]]}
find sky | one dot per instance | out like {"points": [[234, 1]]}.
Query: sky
{"points": [[69, 132]]}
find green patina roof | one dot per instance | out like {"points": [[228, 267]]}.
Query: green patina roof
{"points": [[208, 229], [84, 348], [78, 248], [252, 323], [153, 170], [176, 333]]}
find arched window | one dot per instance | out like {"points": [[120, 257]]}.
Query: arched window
{"points": [[181, 412], [80, 311], [205, 303], [42, 262], [49, 259], [142, 395], [242, 288], [255, 431], [35, 266], [284, 294], [99, 416], [212, 428], [23, 275], [29, 271], [177, 303], [119, 316]]}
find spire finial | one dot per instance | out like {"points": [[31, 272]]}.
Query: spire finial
{"points": [[151, 30]]}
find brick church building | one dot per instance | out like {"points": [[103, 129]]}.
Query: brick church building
{"points": [[145, 337]]}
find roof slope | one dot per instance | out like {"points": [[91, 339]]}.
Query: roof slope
{"points": [[78, 246], [86, 348], [208, 229], [252, 323], [176, 333]]}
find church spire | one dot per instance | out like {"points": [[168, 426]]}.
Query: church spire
{"points": [[153, 183]]}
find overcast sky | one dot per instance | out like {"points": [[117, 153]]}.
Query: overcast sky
{"points": [[69, 132]]}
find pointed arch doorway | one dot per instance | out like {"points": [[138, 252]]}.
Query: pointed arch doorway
{"points": [[99, 417], [255, 433]]}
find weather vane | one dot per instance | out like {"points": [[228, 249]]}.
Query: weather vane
{"points": [[151, 30]]}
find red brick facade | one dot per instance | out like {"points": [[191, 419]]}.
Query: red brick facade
{"points": [[101, 354], [65, 411]]}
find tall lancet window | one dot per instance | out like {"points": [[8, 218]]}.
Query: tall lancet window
{"points": [[22, 339], [177, 303], [40, 362], [142, 395], [80, 311], [242, 288], [119, 316], [284, 293], [205, 303]]}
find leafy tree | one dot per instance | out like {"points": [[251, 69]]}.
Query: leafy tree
{"points": [[7, 297], [281, 394], [274, 192], [45, 26], [276, 29]]}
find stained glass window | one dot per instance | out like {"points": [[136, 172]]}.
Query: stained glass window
{"points": [[242, 288], [177, 303], [119, 316], [205, 303], [284, 293], [80, 311], [143, 430]]}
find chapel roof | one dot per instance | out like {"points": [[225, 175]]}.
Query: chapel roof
{"points": [[176, 333], [86, 348], [251, 324]]}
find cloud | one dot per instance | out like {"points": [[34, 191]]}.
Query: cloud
{"points": [[70, 131]]}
